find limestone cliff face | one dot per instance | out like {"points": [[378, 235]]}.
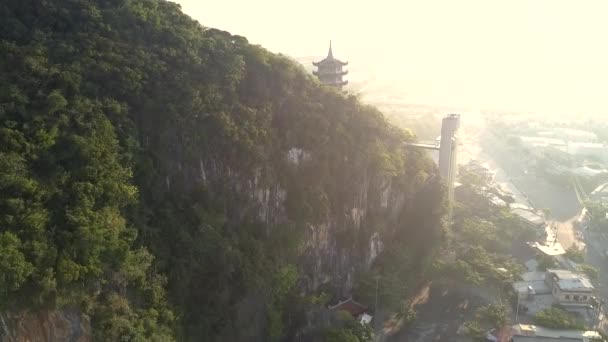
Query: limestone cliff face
{"points": [[46, 326], [348, 237]]}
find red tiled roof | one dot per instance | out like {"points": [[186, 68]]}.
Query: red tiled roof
{"points": [[350, 306], [504, 334]]}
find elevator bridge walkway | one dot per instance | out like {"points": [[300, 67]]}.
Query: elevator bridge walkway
{"points": [[425, 145]]}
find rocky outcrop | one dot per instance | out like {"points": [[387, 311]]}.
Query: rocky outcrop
{"points": [[343, 243], [46, 326]]}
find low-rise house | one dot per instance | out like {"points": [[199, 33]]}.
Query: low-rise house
{"points": [[538, 291], [355, 309], [569, 288], [588, 172], [600, 193], [594, 150], [530, 217], [503, 194], [533, 333]]}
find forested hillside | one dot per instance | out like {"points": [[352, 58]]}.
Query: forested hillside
{"points": [[173, 181]]}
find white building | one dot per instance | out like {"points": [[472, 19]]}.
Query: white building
{"points": [[600, 193], [538, 291], [595, 150], [529, 216], [569, 288], [531, 333], [569, 134]]}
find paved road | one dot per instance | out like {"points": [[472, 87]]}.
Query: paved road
{"points": [[542, 194], [565, 209], [567, 235], [441, 316]]}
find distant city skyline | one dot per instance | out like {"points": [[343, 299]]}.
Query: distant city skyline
{"points": [[542, 56]]}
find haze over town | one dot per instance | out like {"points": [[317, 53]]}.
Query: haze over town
{"points": [[229, 178], [541, 57]]}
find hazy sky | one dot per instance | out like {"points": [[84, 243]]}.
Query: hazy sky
{"points": [[546, 56]]}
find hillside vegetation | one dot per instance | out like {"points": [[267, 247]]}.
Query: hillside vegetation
{"points": [[145, 176]]}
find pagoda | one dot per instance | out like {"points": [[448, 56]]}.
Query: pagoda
{"points": [[330, 70]]}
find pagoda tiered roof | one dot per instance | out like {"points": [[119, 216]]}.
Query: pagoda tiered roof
{"points": [[338, 83], [321, 73], [329, 60]]}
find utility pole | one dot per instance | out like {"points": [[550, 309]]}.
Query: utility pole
{"points": [[517, 309], [554, 229], [377, 281], [377, 312], [4, 332]]}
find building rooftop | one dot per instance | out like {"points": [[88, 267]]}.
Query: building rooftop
{"points": [[529, 330], [504, 334], [601, 188], [563, 274], [538, 286], [516, 205], [586, 171], [497, 201], [600, 193], [586, 145], [569, 134], [542, 141], [549, 248], [570, 281], [580, 284], [350, 306], [529, 216]]}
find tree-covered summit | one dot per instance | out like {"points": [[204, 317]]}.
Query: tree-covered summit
{"points": [[148, 175]]}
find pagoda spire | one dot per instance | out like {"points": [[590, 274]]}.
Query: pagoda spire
{"points": [[330, 54]]}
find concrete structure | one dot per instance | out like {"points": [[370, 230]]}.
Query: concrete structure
{"points": [[447, 151], [357, 310], [588, 172], [330, 70], [549, 248], [569, 288], [532, 333], [569, 134], [564, 152], [529, 217], [600, 193], [590, 150], [538, 291]]}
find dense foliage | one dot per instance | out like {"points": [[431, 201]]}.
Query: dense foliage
{"points": [[139, 156], [557, 319], [485, 235], [487, 317], [496, 315]]}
